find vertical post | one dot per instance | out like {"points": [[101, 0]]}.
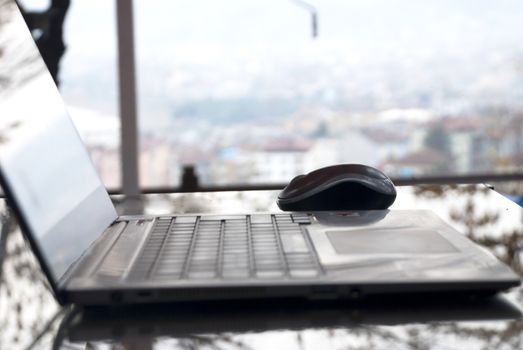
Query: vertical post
{"points": [[127, 101]]}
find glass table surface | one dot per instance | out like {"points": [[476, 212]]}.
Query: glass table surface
{"points": [[30, 317]]}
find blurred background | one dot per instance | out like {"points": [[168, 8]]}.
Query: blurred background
{"points": [[255, 92]]}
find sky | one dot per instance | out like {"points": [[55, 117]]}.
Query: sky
{"points": [[189, 29], [221, 35]]}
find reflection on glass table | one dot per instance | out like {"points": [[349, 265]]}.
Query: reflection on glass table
{"points": [[29, 314], [378, 323]]}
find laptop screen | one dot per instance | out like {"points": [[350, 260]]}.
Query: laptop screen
{"points": [[45, 169]]}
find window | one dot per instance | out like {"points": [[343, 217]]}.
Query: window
{"points": [[243, 90], [88, 80], [252, 92]]}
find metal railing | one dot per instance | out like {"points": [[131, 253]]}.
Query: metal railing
{"points": [[484, 178]]}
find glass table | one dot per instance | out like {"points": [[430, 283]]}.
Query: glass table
{"points": [[30, 317]]}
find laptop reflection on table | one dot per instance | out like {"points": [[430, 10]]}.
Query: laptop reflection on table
{"points": [[181, 321]]}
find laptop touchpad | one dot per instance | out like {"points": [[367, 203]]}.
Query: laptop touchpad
{"points": [[392, 240]]}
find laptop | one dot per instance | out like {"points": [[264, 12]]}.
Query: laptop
{"points": [[91, 256]]}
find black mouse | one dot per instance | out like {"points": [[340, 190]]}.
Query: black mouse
{"points": [[338, 187]]}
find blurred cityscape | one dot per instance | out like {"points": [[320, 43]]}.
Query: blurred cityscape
{"points": [[411, 89], [271, 137]]}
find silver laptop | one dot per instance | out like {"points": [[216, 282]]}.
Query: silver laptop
{"points": [[92, 256]]}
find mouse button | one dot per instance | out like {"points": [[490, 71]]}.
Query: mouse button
{"points": [[302, 184], [325, 180], [295, 187], [295, 182], [384, 186], [374, 173], [389, 186]]}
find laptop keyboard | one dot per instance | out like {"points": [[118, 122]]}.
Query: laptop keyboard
{"points": [[233, 247]]}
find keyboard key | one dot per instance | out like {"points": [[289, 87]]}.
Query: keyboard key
{"points": [[185, 220], [269, 274], [239, 273], [301, 218], [261, 219], [303, 273], [201, 274], [294, 243]]}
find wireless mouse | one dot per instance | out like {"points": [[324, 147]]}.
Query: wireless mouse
{"points": [[338, 187]]}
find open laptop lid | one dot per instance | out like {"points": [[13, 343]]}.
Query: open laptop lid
{"points": [[45, 170]]}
